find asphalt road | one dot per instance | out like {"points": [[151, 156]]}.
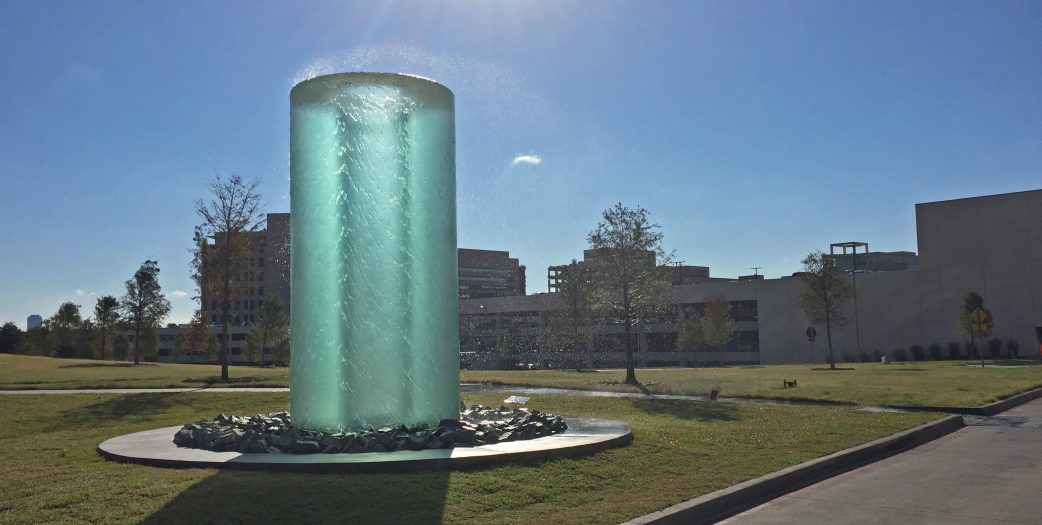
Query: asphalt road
{"points": [[989, 472]]}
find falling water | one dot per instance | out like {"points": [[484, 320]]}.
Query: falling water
{"points": [[375, 329]]}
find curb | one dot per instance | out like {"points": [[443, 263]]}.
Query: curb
{"points": [[724, 503], [985, 410]]}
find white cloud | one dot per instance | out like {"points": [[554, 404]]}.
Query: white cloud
{"points": [[179, 294], [79, 292], [527, 159]]}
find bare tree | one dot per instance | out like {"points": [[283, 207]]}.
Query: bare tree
{"points": [[106, 317], [233, 211], [717, 325], [144, 305], [825, 291], [627, 245]]}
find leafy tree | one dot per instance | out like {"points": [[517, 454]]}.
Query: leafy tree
{"points": [[36, 341], [825, 291], [120, 346], [691, 336], [971, 302], [233, 211], [65, 325], [631, 286], [106, 317], [270, 331], [144, 306], [1012, 348], [10, 336], [717, 325], [995, 348], [571, 323], [198, 340]]}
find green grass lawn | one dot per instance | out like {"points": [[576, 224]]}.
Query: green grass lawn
{"points": [[36, 373], [945, 383], [681, 449]]}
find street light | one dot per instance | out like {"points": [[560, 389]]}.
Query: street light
{"points": [[852, 246]]}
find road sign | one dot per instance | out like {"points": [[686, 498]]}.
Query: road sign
{"points": [[811, 333], [979, 321]]}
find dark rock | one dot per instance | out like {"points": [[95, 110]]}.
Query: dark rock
{"points": [[305, 447], [273, 433]]}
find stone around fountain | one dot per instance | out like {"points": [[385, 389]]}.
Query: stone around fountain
{"points": [[584, 436]]}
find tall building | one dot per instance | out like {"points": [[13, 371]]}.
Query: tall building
{"points": [[482, 273], [33, 321], [678, 273], [489, 273], [265, 274]]}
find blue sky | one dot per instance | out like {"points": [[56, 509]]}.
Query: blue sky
{"points": [[754, 132]]}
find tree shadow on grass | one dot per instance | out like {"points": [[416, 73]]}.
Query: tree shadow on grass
{"points": [[121, 407], [268, 497], [101, 365], [689, 410]]}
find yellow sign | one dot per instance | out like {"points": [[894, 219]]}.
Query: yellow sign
{"points": [[979, 321]]}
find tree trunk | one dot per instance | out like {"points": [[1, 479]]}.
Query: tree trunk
{"points": [[828, 335], [102, 343], [137, 343], [631, 375], [225, 349]]}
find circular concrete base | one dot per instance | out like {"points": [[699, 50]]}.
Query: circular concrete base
{"points": [[156, 448]]}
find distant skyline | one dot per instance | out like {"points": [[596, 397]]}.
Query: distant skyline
{"points": [[753, 132]]}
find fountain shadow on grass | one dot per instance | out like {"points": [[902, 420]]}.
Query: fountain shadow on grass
{"points": [[270, 497], [685, 409]]}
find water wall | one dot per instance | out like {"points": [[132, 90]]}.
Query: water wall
{"points": [[374, 283]]}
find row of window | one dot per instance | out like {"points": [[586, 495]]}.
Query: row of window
{"points": [[245, 304]]}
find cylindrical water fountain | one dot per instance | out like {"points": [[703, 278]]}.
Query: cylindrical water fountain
{"points": [[374, 283]]}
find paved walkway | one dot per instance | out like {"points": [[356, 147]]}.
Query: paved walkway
{"points": [[467, 387], [988, 472]]}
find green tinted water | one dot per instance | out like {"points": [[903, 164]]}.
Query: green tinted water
{"points": [[374, 291]]}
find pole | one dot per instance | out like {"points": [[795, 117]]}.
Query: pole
{"points": [[857, 319]]}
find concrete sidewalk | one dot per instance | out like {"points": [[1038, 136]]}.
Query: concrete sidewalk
{"points": [[988, 472]]}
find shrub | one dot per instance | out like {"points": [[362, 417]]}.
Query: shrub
{"points": [[877, 356], [900, 354], [994, 347], [936, 353], [864, 357], [1012, 348], [918, 352], [971, 350], [847, 358], [954, 351]]}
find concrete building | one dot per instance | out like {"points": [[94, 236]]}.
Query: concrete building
{"points": [[166, 339], [875, 261], [266, 274], [991, 245], [489, 273], [678, 273]]}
